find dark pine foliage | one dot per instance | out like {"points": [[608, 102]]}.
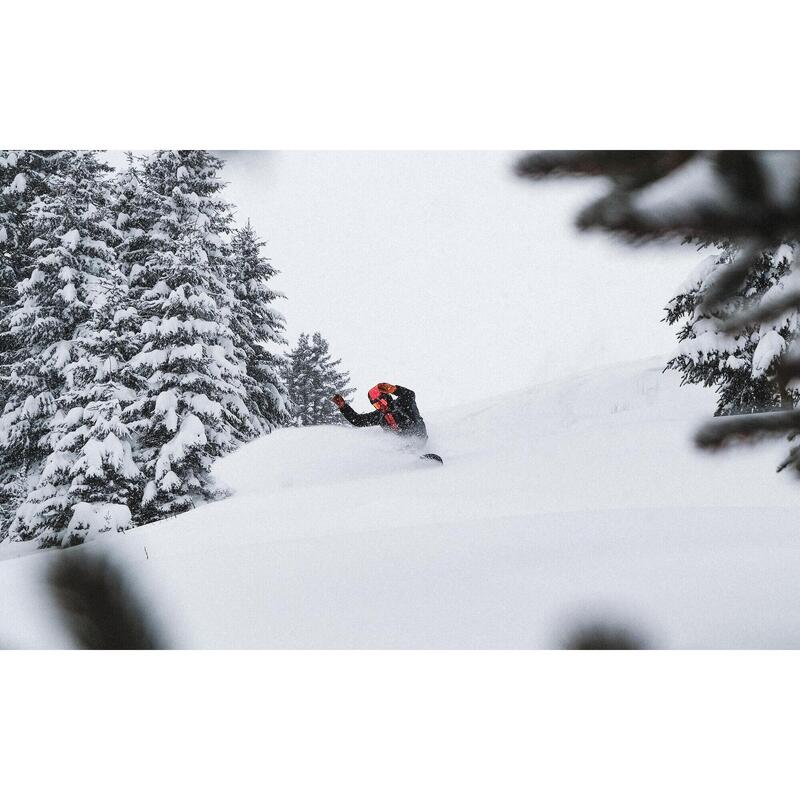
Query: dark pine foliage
{"points": [[313, 377]]}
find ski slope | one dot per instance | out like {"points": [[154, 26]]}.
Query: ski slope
{"points": [[580, 500]]}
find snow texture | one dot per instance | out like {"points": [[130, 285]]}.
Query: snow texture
{"points": [[580, 499], [93, 519], [770, 346]]}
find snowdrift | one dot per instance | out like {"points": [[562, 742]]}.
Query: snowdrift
{"points": [[576, 501]]}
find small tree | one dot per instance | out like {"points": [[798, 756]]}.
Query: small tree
{"points": [[313, 378]]}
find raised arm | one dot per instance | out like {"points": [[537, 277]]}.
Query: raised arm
{"points": [[400, 391], [354, 418]]}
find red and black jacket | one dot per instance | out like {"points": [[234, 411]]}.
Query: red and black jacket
{"points": [[402, 415]]}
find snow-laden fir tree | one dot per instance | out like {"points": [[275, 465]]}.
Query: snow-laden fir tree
{"points": [[73, 253], [22, 179], [90, 483], [92, 466], [71, 245], [313, 377], [256, 323], [740, 364], [193, 406]]}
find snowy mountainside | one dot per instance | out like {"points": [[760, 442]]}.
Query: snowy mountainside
{"points": [[577, 500]]}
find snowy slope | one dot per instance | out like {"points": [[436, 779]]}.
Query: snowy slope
{"points": [[580, 499]]}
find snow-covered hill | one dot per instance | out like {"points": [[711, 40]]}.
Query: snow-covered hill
{"points": [[579, 500]]}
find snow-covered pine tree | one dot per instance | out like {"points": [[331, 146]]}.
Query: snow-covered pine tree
{"points": [[297, 376], [312, 378], [740, 364], [255, 323], [91, 470], [91, 473], [22, 179], [193, 407], [72, 247]]}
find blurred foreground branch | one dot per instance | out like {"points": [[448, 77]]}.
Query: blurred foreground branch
{"points": [[603, 636], [742, 309], [711, 195], [98, 605]]}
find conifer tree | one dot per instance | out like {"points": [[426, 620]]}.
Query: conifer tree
{"points": [[193, 407], [22, 179], [740, 364], [134, 340], [69, 246], [256, 323], [90, 484], [92, 467], [313, 378]]}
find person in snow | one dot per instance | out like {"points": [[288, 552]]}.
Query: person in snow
{"points": [[395, 410]]}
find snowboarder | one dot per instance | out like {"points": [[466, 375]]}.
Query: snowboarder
{"points": [[395, 409]]}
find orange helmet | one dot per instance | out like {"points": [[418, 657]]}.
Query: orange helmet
{"points": [[379, 399]]}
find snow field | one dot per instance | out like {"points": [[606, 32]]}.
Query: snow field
{"points": [[579, 500]]}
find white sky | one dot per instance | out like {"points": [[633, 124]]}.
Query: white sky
{"points": [[442, 271]]}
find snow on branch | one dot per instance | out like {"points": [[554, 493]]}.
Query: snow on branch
{"points": [[740, 310]]}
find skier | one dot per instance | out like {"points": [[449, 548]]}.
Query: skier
{"points": [[395, 409]]}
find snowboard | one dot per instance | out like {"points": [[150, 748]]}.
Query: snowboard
{"points": [[432, 457]]}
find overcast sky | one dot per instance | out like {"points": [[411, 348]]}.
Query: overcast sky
{"points": [[442, 271]]}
